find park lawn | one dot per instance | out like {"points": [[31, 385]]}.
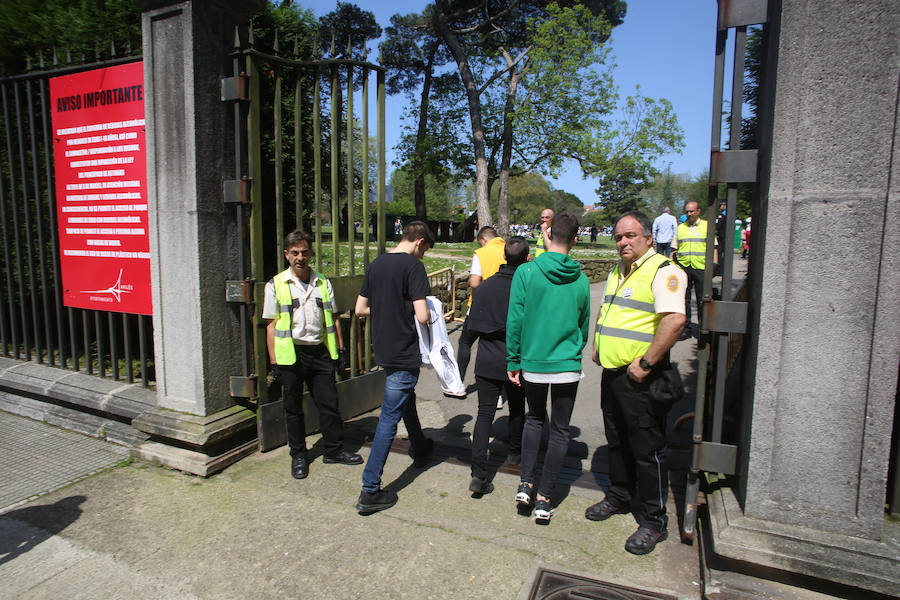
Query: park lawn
{"points": [[443, 255]]}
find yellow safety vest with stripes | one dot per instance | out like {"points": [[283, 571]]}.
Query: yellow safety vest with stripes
{"points": [[540, 244], [692, 246], [628, 319], [285, 354]]}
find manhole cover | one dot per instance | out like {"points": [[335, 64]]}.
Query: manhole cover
{"points": [[555, 585]]}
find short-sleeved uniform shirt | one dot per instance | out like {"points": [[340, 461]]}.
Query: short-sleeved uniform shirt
{"points": [[668, 286], [308, 324], [392, 281]]}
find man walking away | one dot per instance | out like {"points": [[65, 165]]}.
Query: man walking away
{"points": [[393, 294], [485, 262], [487, 320], [663, 231], [546, 331]]}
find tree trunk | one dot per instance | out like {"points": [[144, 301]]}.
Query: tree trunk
{"points": [[506, 154], [418, 161], [465, 72]]}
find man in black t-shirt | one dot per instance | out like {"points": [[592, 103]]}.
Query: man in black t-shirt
{"points": [[392, 295]]}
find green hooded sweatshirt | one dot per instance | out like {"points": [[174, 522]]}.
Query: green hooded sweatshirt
{"points": [[549, 315]]}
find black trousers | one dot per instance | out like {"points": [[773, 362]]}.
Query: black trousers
{"points": [[489, 390], [694, 282], [314, 368], [464, 349], [636, 438], [562, 402]]}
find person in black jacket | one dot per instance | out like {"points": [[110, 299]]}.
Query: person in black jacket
{"points": [[487, 321]]}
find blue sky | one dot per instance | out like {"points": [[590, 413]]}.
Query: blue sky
{"points": [[665, 46]]}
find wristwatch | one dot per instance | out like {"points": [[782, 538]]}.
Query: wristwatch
{"points": [[645, 365]]}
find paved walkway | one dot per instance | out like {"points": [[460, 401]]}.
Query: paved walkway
{"points": [[36, 458], [138, 531]]}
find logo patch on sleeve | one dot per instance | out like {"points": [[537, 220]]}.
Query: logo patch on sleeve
{"points": [[672, 283]]}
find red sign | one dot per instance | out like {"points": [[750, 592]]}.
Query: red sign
{"points": [[101, 188]]}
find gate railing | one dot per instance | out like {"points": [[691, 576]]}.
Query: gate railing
{"points": [[34, 323], [724, 318], [280, 184]]}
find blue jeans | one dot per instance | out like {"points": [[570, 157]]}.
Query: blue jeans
{"points": [[399, 402]]}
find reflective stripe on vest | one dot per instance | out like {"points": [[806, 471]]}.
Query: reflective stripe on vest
{"points": [[285, 354], [626, 326], [540, 245], [692, 246]]}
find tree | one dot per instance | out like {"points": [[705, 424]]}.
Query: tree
{"points": [[82, 31], [412, 53]]}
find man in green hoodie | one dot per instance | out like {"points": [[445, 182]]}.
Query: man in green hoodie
{"points": [[546, 331]]}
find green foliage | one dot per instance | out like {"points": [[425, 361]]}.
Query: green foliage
{"points": [[343, 32], [84, 30], [445, 195]]}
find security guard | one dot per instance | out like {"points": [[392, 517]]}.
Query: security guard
{"points": [[304, 340], [641, 318], [689, 251], [544, 238]]}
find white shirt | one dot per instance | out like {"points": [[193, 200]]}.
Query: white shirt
{"points": [[308, 325], [664, 227], [476, 266]]}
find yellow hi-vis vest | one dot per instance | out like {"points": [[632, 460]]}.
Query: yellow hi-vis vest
{"points": [[490, 257], [540, 244], [692, 247], [628, 319], [285, 354]]}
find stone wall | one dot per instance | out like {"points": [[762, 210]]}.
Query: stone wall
{"points": [[596, 270]]}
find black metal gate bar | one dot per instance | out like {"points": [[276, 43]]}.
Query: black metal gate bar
{"points": [[29, 245], [8, 335], [298, 147], [335, 157], [19, 301], [51, 217], [351, 237], [39, 227], [279, 169], [317, 161], [126, 335]]}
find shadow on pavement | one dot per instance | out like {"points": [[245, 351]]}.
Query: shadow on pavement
{"points": [[44, 522]]}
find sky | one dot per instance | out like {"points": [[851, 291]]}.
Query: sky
{"points": [[666, 47]]}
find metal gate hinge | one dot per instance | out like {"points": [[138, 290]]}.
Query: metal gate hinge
{"points": [[236, 191], [235, 88], [239, 290], [242, 387]]}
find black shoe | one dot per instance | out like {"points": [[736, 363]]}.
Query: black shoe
{"points": [[604, 510], [299, 466], [644, 540], [525, 495], [372, 502], [343, 457], [480, 486], [543, 510], [514, 459], [420, 455]]}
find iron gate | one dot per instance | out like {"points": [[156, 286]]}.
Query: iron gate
{"points": [[724, 317], [278, 104]]}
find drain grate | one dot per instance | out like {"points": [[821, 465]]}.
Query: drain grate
{"points": [[556, 585]]}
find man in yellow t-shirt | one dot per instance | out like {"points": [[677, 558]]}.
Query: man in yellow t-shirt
{"points": [[485, 262]]}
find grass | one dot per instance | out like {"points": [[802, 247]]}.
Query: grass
{"points": [[443, 255]]}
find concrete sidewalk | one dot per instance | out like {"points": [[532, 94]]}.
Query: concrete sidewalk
{"points": [[139, 531]]}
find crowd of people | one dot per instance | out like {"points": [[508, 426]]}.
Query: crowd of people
{"points": [[532, 317]]}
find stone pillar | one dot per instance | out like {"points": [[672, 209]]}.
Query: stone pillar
{"points": [[824, 337], [190, 151]]}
